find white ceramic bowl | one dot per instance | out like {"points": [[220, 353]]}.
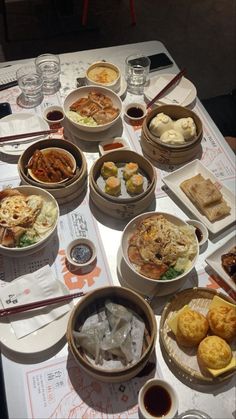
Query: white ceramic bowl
{"points": [[83, 92], [203, 231], [59, 150], [141, 283], [103, 67], [172, 396], [25, 251]]}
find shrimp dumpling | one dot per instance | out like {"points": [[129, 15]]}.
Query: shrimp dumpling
{"points": [[113, 186], [129, 170], [109, 169], [160, 123], [134, 185], [187, 127], [172, 136]]}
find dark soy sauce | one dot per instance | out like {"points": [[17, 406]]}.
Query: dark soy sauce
{"points": [[198, 234], [135, 112], [157, 401], [54, 115], [81, 253]]}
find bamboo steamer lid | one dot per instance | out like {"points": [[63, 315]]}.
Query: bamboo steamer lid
{"points": [[129, 299], [68, 190], [171, 153]]}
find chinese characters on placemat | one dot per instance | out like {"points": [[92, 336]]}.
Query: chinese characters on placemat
{"points": [[73, 223], [60, 389], [214, 156]]}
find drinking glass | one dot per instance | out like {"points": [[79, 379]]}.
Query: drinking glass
{"points": [[30, 83], [48, 66], [137, 69]]}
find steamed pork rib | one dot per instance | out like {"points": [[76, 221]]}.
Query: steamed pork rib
{"points": [[24, 220], [97, 106]]}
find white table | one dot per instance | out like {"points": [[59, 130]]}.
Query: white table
{"points": [[217, 400]]}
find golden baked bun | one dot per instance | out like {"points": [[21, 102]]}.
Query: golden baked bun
{"points": [[222, 322], [192, 327], [214, 352]]}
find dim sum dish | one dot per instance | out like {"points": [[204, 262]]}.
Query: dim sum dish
{"points": [[112, 333], [28, 218], [198, 332]]}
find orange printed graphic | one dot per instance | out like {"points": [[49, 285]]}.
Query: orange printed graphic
{"points": [[74, 281]]}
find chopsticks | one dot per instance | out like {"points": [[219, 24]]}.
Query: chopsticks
{"points": [[8, 85], [27, 135], [170, 84], [37, 304]]}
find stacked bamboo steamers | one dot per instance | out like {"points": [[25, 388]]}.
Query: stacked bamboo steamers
{"points": [[122, 207], [67, 190], [165, 153]]}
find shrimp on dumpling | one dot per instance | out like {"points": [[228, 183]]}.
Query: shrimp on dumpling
{"points": [[187, 127], [109, 169], [134, 185], [160, 123], [130, 169], [113, 186]]}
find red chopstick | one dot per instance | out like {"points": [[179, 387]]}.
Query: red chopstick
{"points": [[27, 135], [37, 304], [171, 83]]}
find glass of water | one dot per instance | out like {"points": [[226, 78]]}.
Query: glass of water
{"points": [[49, 67], [30, 83], [137, 69]]}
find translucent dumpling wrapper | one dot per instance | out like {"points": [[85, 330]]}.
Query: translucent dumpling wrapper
{"points": [[160, 123], [116, 312], [187, 127], [46, 218]]}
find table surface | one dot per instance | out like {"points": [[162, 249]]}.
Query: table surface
{"points": [[217, 400]]}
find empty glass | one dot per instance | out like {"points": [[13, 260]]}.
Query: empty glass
{"points": [[30, 82], [137, 69], [49, 67]]}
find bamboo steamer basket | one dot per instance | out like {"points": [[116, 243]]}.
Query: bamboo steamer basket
{"points": [[171, 153], [118, 207], [87, 306], [68, 190]]}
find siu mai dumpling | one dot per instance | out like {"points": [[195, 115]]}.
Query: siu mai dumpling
{"points": [[172, 136], [134, 185], [113, 186], [187, 127], [160, 123], [130, 169], [109, 169]]}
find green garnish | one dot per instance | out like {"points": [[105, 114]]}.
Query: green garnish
{"points": [[171, 273], [26, 241]]}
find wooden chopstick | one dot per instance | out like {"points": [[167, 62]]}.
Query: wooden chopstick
{"points": [[27, 135], [37, 304], [171, 83]]}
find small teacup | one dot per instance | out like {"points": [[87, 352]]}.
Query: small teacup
{"points": [[157, 399], [54, 116], [135, 113]]}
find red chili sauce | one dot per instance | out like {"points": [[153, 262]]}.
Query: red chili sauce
{"points": [[112, 146]]}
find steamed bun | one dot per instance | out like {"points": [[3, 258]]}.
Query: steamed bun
{"points": [[172, 136], [160, 123], [187, 127]]}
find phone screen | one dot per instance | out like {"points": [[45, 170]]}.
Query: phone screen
{"points": [[159, 61], [5, 109]]}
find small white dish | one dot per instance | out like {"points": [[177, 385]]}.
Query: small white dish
{"points": [[135, 112], [200, 231], [101, 69], [151, 90], [158, 399], [81, 255], [116, 143], [214, 261], [15, 148], [174, 179], [54, 115]]}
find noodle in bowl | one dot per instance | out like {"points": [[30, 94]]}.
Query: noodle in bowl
{"points": [[159, 250], [28, 219]]}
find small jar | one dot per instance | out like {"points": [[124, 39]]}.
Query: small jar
{"points": [[54, 116], [193, 414], [82, 256]]}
